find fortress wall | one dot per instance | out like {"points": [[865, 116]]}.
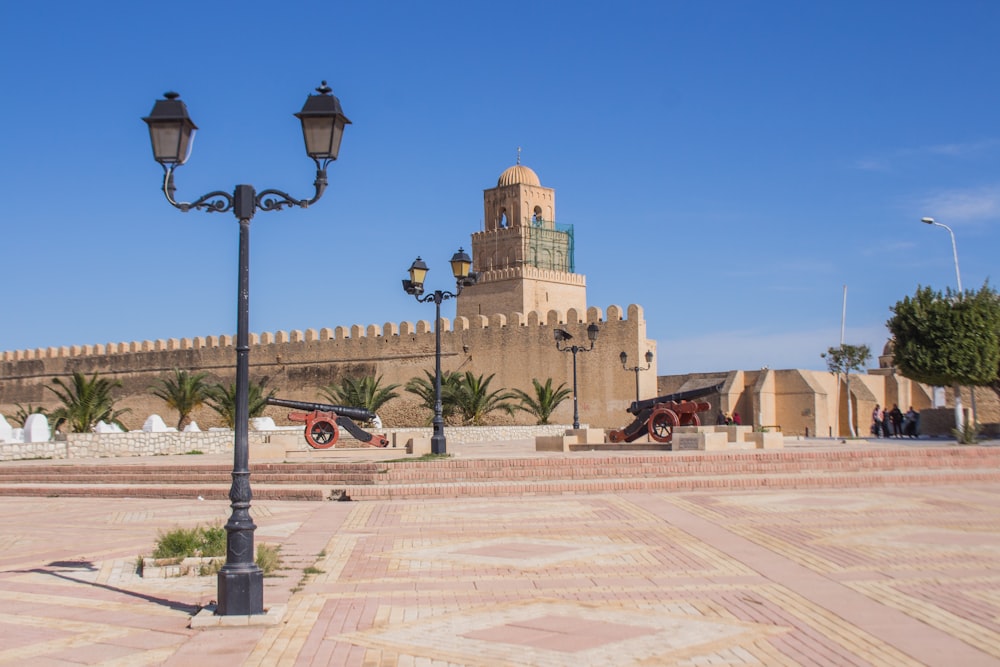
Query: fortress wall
{"points": [[516, 347]]}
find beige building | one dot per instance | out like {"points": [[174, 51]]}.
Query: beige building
{"points": [[504, 327]]}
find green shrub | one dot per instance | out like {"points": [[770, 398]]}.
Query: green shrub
{"points": [[190, 542], [969, 433], [268, 558]]}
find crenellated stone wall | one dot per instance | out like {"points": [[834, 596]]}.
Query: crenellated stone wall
{"points": [[515, 347]]}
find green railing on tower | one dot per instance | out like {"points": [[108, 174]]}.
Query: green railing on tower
{"points": [[549, 245]]}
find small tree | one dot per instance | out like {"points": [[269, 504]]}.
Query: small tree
{"points": [[474, 400], [184, 392], [424, 389], [845, 359], [948, 340], [85, 401], [544, 402], [364, 393], [222, 399]]}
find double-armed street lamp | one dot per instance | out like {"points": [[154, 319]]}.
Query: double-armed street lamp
{"points": [[561, 336], [461, 265], [954, 249], [649, 364], [171, 130]]}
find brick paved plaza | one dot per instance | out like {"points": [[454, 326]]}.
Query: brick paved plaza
{"points": [[906, 575]]}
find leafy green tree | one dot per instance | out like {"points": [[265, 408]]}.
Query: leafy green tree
{"points": [[364, 393], [22, 413], [424, 389], [844, 359], [184, 392], [222, 399], [948, 339], [85, 401], [545, 400], [474, 400]]}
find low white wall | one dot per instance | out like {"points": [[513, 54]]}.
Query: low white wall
{"points": [[141, 443]]}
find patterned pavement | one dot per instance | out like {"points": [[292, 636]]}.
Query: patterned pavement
{"points": [[890, 576]]}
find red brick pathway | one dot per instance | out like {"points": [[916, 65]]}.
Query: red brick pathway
{"points": [[886, 576]]}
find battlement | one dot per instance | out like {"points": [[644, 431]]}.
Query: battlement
{"points": [[530, 272], [551, 318]]}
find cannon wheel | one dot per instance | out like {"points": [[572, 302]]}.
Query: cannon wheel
{"points": [[662, 423], [322, 434]]}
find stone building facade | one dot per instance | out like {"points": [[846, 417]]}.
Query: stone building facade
{"points": [[516, 347], [504, 327]]}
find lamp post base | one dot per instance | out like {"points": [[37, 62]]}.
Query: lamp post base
{"points": [[438, 444], [241, 592]]}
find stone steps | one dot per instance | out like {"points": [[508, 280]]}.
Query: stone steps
{"points": [[456, 477]]}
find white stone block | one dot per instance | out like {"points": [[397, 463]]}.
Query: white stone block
{"points": [[192, 427], [154, 424], [262, 424], [36, 428], [6, 432]]}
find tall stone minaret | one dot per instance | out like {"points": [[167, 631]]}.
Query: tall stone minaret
{"points": [[525, 260]]}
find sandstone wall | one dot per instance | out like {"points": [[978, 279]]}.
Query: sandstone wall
{"points": [[515, 347]]}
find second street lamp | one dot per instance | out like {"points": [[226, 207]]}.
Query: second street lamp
{"points": [[171, 130], [561, 336], [461, 264], [649, 364]]}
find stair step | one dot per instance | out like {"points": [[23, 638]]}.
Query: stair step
{"points": [[369, 480]]}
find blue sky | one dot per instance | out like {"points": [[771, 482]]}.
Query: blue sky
{"points": [[730, 166]]}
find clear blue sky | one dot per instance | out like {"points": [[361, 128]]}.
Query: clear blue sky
{"points": [[729, 166]]}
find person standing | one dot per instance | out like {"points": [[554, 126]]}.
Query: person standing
{"points": [[896, 416], [877, 421], [912, 418]]}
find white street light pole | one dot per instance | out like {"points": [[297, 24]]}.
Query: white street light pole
{"points": [[959, 416], [954, 248]]}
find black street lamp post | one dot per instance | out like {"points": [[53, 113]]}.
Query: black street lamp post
{"points": [[461, 264], [562, 335], [649, 364], [240, 581]]}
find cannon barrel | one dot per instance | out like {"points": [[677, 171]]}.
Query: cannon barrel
{"points": [[689, 395], [360, 414]]}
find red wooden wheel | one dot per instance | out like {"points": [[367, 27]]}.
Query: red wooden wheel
{"points": [[662, 423], [322, 434]]}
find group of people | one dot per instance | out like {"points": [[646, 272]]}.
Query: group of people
{"points": [[893, 423], [724, 419]]}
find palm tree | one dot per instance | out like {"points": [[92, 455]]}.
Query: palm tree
{"points": [[364, 393], [474, 400], [424, 388], [544, 402], [222, 399], [185, 392], [86, 402]]}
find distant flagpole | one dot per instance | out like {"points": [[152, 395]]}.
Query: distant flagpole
{"points": [[843, 317]]}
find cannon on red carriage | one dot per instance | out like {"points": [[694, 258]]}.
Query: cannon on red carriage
{"points": [[657, 417], [322, 422]]}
